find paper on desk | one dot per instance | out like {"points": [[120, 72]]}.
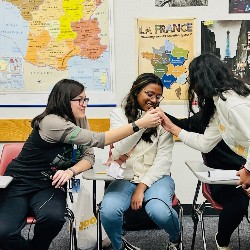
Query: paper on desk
{"points": [[219, 175], [115, 171]]}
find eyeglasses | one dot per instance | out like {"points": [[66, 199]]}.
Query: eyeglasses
{"points": [[81, 100], [151, 94]]}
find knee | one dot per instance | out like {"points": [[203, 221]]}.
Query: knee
{"points": [[110, 213], [159, 211], [52, 218]]}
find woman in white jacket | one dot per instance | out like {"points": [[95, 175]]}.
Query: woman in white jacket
{"points": [[225, 102], [150, 157]]}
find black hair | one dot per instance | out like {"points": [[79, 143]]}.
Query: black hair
{"points": [[131, 106], [208, 77], [59, 101]]}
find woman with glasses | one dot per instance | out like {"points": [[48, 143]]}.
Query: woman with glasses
{"points": [[149, 154], [58, 148]]}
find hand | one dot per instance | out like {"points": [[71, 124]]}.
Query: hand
{"points": [[247, 191], [244, 178], [136, 200], [166, 122], [61, 177], [149, 120]]}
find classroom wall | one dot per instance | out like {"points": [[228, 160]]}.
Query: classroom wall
{"points": [[125, 71]]}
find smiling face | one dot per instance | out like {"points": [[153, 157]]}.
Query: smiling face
{"points": [[150, 96], [79, 105]]}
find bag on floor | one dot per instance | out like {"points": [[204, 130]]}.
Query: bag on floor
{"points": [[86, 223]]}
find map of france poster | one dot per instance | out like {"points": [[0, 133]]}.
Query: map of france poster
{"points": [[165, 47], [42, 42]]}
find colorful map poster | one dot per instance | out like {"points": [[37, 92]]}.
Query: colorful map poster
{"points": [[166, 47], [42, 42]]}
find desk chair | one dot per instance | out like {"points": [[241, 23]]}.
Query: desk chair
{"points": [[143, 222], [11, 151], [198, 211], [129, 224]]}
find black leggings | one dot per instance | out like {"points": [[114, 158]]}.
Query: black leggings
{"points": [[235, 205], [50, 218]]}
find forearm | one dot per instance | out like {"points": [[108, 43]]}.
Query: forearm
{"points": [[175, 130], [117, 120], [141, 187], [79, 167], [118, 134]]}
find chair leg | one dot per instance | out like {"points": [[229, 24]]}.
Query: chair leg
{"points": [[203, 231], [72, 230], [181, 226], [195, 212], [239, 236], [99, 229], [194, 232]]}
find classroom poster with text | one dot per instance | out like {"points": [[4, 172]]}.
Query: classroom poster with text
{"points": [[166, 47]]}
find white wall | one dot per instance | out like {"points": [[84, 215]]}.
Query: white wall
{"points": [[125, 13]]}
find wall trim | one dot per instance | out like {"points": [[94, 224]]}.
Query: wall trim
{"points": [[18, 130]]}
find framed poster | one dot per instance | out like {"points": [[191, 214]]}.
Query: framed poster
{"points": [[180, 3], [166, 47], [52, 40], [230, 41], [239, 6]]}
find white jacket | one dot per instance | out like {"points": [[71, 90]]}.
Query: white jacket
{"points": [[149, 161], [231, 123]]}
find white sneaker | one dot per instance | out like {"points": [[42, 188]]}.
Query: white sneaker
{"points": [[221, 248], [128, 246]]}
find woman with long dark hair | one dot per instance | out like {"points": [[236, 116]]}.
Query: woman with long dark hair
{"points": [[149, 155], [225, 104]]}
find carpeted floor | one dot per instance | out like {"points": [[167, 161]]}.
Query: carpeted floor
{"points": [[156, 239]]}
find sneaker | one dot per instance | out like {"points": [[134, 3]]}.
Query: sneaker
{"points": [[173, 246], [106, 242], [128, 246], [220, 248]]}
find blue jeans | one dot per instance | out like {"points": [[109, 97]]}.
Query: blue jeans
{"points": [[117, 200]]}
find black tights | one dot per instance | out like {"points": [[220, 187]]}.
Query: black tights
{"points": [[50, 218], [235, 204]]}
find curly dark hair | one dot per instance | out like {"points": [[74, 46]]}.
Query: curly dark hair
{"points": [[59, 101], [209, 76], [131, 106]]}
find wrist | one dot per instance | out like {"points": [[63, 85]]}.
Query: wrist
{"points": [[246, 170], [72, 171], [175, 130], [139, 123], [135, 127]]}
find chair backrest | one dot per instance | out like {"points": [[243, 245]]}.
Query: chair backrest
{"points": [[9, 152], [207, 194]]}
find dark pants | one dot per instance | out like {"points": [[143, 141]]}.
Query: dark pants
{"points": [[235, 204], [47, 205]]}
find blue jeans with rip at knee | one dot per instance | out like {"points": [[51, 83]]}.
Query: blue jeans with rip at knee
{"points": [[117, 200]]}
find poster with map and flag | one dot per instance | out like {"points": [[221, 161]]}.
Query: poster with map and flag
{"points": [[42, 42], [166, 47]]}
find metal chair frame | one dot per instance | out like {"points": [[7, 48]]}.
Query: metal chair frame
{"points": [[14, 149], [198, 211], [176, 204]]}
